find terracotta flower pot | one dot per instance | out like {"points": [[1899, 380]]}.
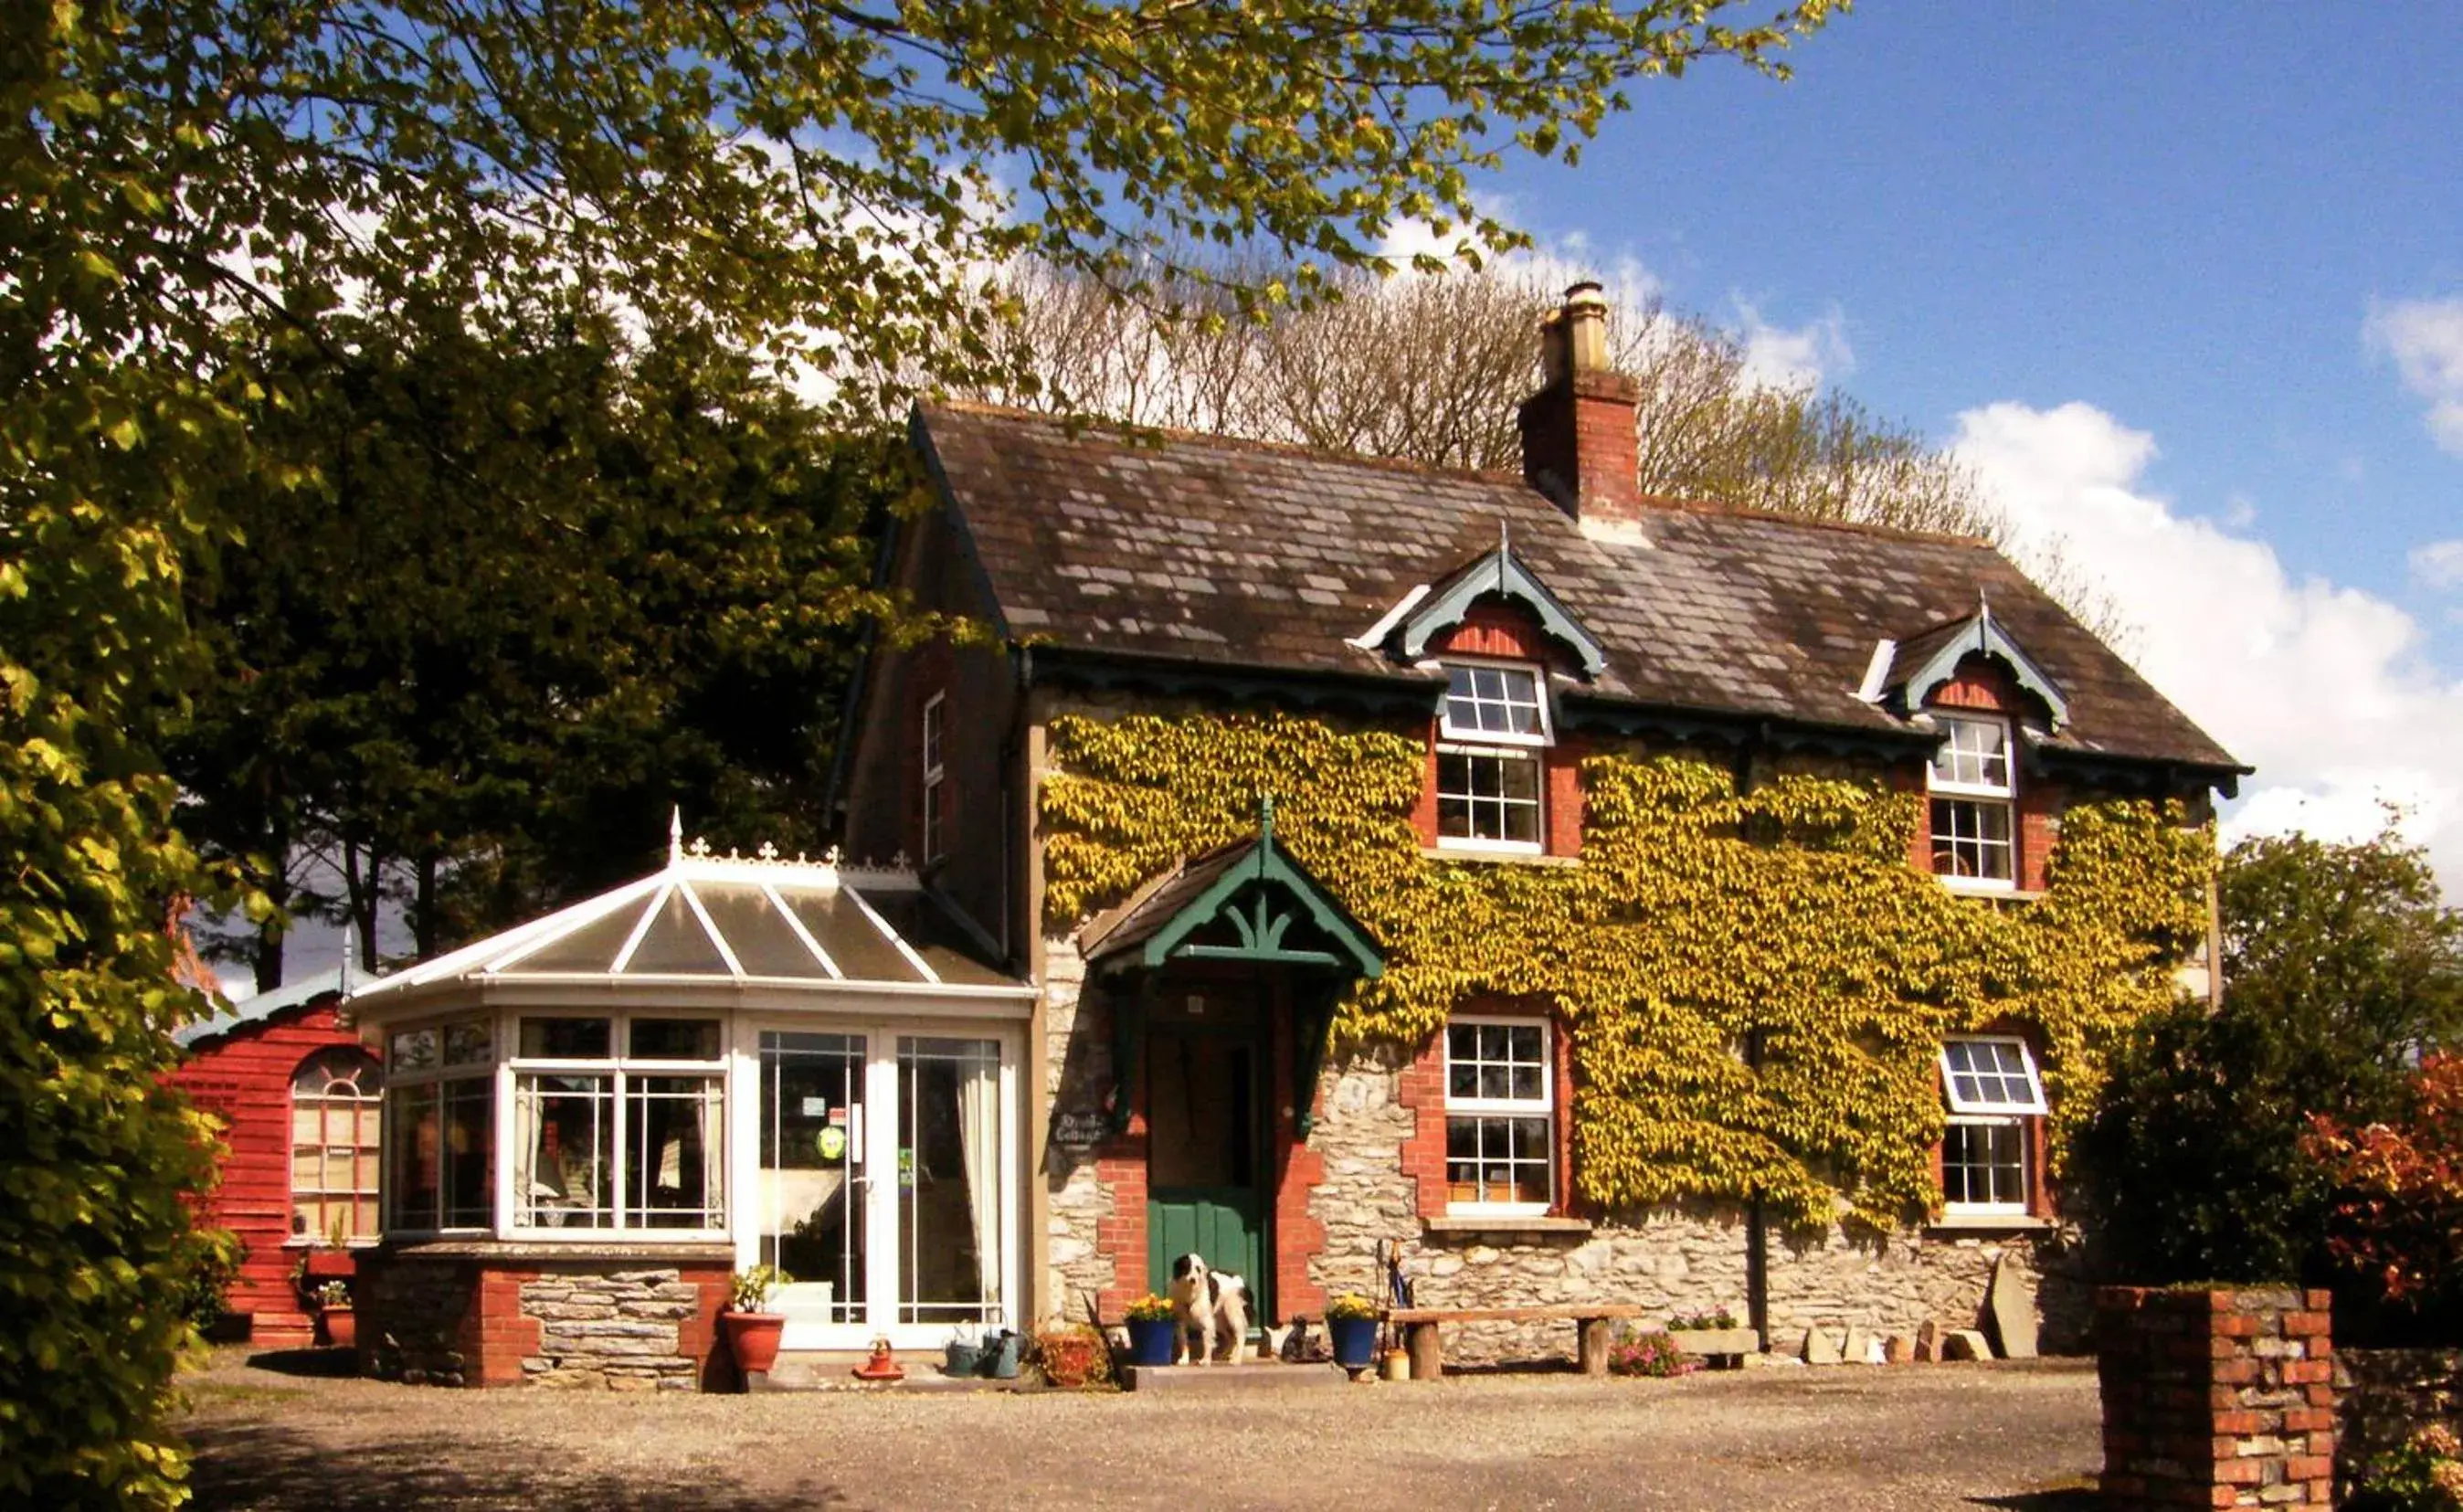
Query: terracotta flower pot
{"points": [[327, 1265], [753, 1339], [341, 1326]]}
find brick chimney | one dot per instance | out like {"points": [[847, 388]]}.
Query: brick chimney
{"points": [[1577, 441]]}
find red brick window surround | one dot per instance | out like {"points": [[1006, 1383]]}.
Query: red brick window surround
{"points": [[1992, 1153], [1972, 791], [1479, 1156], [1492, 738]]}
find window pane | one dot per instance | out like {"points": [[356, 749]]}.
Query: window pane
{"points": [[470, 1152], [413, 1146], [565, 1039], [564, 1157], [676, 1164], [1494, 1080], [674, 1039], [1462, 1081], [1526, 1082], [415, 1050], [469, 1044]]}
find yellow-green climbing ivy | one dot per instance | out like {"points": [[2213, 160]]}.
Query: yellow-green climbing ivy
{"points": [[1698, 919]]}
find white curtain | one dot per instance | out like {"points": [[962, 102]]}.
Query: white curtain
{"points": [[979, 1141], [526, 1153], [713, 1153]]}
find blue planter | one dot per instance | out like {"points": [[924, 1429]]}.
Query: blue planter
{"points": [[1150, 1341], [1355, 1342]]}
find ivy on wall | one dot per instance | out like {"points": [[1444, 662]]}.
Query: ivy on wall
{"points": [[1756, 983]]}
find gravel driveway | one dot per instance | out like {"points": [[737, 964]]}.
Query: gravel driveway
{"points": [[2021, 1436]]}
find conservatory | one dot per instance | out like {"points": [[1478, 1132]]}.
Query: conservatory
{"points": [[729, 1063]]}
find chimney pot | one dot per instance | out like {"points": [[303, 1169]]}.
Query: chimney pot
{"points": [[1577, 432]]}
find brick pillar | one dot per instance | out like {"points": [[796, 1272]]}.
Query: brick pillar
{"points": [[2217, 1398]]}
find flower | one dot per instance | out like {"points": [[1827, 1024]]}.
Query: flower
{"points": [[1150, 1308], [1351, 1304], [2438, 1440]]}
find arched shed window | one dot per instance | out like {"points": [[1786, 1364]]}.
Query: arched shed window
{"points": [[334, 1100]]}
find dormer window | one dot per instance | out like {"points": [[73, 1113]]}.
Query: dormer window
{"points": [[1974, 800], [1489, 741]]}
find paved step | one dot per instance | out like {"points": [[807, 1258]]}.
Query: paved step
{"points": [[1214, 1380]]}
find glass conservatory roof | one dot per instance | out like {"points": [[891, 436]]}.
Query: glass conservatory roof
{"points": [[708, 920]]}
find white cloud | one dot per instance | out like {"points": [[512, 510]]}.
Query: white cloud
{"points": [[1778, 356], [2326, 690], [2424, 338], [2439, 564]]}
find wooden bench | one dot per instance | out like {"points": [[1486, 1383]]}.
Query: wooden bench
{"points": [[1590, 1321]]}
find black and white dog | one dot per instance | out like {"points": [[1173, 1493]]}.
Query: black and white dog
{"points": [[1212, 1306]]}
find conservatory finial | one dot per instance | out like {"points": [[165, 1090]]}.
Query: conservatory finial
{"points": [[676, 835]]}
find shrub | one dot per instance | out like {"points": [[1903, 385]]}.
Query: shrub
{"points": [[204, 1300], [1349, 1305], [1072, 1355], [2397, 1219], [1706, 1322], [2424, 1474], [1653, 1354]]}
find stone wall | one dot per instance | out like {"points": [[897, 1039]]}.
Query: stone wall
{"points": [[623, 1329], [1369, 1118], [490, 1314], [2386, 1396], [2217, 1398], [411, 1318], [1083, 1233]]}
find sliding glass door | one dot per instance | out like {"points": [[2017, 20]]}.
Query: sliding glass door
{"points": [[887, 1185]]}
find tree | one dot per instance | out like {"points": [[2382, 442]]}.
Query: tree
{"points": [[2341, 967], [813, 184], [1430, 369], [490, 711]]}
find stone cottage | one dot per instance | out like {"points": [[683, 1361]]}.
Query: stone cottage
{"points": [[1599, 897]]}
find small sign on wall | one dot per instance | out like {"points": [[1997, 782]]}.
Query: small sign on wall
{"points": [[1080, 1129]]}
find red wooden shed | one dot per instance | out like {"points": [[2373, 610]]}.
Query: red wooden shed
{"points": [[298, 1098]]}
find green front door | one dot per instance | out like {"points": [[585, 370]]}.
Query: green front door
{"points": [[1206, 1140]]}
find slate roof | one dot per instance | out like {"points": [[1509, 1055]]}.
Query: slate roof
{"points": [[1237, 554], [1143, 915]]}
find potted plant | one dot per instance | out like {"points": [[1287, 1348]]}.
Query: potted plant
{"points": [[1150, 1330], [752, 1334], [1072, 1355], [334, 1312], [1351, 1322]]}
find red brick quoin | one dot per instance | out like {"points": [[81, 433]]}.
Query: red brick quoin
{"points": [[2217, 1398]]}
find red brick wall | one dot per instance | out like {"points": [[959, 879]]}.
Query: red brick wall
{"points": [[2217, 1398], [1120, 1168], [1298, 1169], [1507, 631], [1421, 1087], [244, 1078], [1580, 432], [1982, 686]]}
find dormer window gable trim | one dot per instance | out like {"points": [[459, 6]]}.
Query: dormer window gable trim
{"points": [[1499, 571], [1983, 634]]}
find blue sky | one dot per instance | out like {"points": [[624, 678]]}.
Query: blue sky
{"points": [[2185, 283]]}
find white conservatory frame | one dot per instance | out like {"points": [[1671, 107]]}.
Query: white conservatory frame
{"points": [[910, 988]]}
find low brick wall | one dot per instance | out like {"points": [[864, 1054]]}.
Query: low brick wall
{"points": [[624, 1318], [2220, 1398], [2387, 1395]]}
